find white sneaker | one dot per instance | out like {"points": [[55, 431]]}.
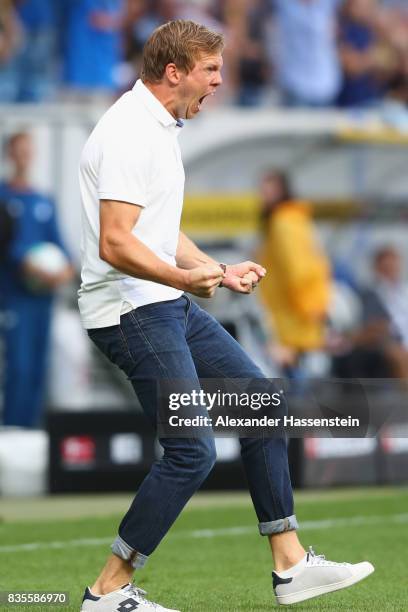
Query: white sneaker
{"points": [[314, 576], [125, 599]]}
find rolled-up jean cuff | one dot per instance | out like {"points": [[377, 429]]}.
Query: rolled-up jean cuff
{"points": [[125, 552], [279, 526]]}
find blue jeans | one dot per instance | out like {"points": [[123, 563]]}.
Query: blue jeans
{"points": [[177, 339]]}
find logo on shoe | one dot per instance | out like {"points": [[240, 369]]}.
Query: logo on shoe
{"points": [[127, 606], [278, 580]]}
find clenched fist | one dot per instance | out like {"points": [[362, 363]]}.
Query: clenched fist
{"points": [[203, 280], [243, 277]]}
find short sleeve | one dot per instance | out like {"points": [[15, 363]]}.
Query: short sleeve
{"points": [[124, 174]]}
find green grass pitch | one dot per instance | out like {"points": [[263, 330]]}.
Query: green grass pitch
{"points": [[212, 560]]}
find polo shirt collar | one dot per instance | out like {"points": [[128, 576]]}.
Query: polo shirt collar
{"points": [[155, 106]]}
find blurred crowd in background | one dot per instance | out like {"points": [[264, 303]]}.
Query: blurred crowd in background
{"points": [[293, 53], [314, 53]]}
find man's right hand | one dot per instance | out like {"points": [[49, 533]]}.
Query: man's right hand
{"points": [[203, 280]]}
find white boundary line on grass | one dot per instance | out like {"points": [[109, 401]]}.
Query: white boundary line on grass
{"points": [[351, 521], [307, 525]]}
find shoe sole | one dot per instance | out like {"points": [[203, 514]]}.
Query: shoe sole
{"points": [[322, 590]]}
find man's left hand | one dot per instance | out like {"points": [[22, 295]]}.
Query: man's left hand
{"points": [[243, 277]]}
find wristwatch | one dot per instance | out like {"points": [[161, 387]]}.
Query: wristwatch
{"points": [[223, 267]]}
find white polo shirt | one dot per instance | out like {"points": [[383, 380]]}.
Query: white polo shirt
{"points": [[132, 156]]}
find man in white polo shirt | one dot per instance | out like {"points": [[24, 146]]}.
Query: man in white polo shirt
{"points": [[137, 266]]}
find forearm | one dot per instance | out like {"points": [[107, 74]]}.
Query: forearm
{"points": [[189, 256], [126, 253]]}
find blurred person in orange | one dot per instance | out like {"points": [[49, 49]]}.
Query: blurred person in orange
{"points": [[296, 291]]}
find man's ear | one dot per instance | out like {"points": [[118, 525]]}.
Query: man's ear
{"points": [[172, 74]]}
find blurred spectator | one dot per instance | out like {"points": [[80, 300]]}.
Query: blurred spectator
{"points": [[378, 348], [10, 41], [26, 290], [246, 56], [367, 55], [139, 23], [296, 289], [35, 72], [92, 50], [301, 47], [392, 291], [305, 51], [395, 24]]}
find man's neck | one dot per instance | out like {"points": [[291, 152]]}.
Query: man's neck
{"points": [[20, 182], [164, 96]]}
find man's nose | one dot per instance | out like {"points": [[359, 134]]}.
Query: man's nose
{"points": [[217, 80]]}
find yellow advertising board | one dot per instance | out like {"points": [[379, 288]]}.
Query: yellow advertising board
{"points": [[220, 214], [229, 214]]}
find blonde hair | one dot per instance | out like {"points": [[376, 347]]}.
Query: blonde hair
{"points": [[180, 42]]}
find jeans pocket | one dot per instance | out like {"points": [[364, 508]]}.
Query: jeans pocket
{"points": [[111, 342]]}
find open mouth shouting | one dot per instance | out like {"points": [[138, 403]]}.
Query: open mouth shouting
{"points": [[201, 100]]}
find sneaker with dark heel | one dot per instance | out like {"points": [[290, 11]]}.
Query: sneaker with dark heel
{"points": [[314, 575], [125, 599]]}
